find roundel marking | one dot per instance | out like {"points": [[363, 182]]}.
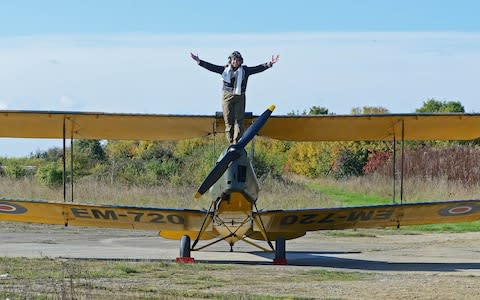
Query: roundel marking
{"points": [[11, 208], [459, 210], [7, 208]]}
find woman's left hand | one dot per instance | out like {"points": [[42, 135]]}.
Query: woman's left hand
{"points": [[275, 59]]}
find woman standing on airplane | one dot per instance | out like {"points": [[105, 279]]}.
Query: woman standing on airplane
{"points": [[235, 77]]}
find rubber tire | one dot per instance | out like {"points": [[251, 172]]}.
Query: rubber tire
{"points": [[185, 246], [280, 248]]}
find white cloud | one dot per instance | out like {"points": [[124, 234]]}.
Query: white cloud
{"points": [[3, 105]]}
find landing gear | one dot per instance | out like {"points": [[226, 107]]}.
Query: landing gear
{"points": [[185, 257], [280, 256]]}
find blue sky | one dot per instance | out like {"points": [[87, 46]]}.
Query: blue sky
{"points": [[21, 17], [133, 56]]}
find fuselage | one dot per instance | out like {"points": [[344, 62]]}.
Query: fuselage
{"points": [[234, 196]]}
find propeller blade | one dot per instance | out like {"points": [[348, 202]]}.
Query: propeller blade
{"points": [[233, 152], [255, 128], [217, 171]]}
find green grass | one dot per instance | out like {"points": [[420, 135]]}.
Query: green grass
{"points": [[346, 198], [448, 227], [90, 279], [325, 275], [350, 233]]}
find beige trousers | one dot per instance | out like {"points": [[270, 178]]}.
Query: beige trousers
{"points": [[233, 115]]}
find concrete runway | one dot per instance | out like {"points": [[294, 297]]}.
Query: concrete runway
{"points": [[376, 251]]}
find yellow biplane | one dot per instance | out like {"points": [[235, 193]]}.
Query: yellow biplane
{"points": [[233, 215]]}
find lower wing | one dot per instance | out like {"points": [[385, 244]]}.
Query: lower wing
{"points": [[171, 223], [298, 222]]}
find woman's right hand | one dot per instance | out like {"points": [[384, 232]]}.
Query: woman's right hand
{"points": [[195, 57]]}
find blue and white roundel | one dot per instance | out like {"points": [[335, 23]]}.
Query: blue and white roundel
{"points": [[460, 210], [11, 208]]}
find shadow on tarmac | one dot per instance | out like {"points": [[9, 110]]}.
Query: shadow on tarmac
{"points": [[324, 259]]}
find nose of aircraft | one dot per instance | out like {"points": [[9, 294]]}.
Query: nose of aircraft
{"points": [[233, 152]]}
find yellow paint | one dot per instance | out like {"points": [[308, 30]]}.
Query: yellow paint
{"points": [[240, 231], [373, 127], [236, 202], [297, 221], [230, 215], [105, 216], [274, 235], [177, 235], [25, 124]]}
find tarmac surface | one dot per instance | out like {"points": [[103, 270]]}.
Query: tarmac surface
{"points": [[370, 251]]}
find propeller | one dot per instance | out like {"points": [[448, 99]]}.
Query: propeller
{"points": [[233, 152]]}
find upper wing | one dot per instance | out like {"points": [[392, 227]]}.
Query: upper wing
{"points": [[373, 127], [96, 125], [301, 221], [92, 125], [172, 223]]}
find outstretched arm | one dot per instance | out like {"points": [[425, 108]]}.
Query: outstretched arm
{"points": [[207, 65], [263, 67]]}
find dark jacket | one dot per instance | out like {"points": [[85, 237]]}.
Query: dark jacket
{"points": [[230, 86]]}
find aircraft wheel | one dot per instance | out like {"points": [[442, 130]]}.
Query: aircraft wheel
{"points": [[185, 246], [280, 248]]}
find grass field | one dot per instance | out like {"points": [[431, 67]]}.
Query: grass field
{"points": [[43, 278]]}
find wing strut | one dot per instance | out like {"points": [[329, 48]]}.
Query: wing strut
{"points": [[262, 227], [232, 234], [71, 163], [403, 159], [214, 129], [64, 161], [402, 163], [202, 228], [394, 166], [64, 165]]}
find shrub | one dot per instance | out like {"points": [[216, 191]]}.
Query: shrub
{"points": [[196, 166], [148, 150], [130, 172], [376, 159], [15, 170], [269, 157], [156, 170], [349, 163], [50, 174], [311, 159]]}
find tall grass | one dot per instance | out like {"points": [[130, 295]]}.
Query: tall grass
{"points": [[280, 193], [92, 191], [453, 163], [415, 189], [290, 192], [287, 192]]}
